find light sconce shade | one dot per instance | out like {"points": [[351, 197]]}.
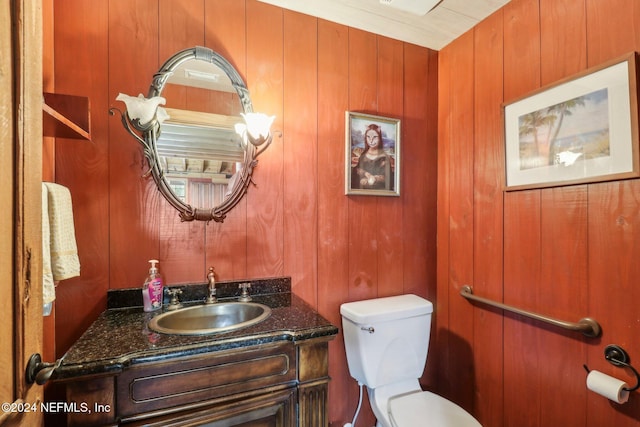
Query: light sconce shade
{"points": [[143, 111], [256, 129]]}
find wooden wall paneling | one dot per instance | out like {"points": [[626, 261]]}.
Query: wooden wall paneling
{"points": [[461, 214], [182, 248], [333, 219], [48, 156], [611, 29], [225, 31], [419, 172], [488, 213], [133, 199], [439, 353], [563, 284], [182, 245], [265, 203], [252, 36], [521, 336], [181, 25], [613, 216], [301, 154], [521, 229], [84, 167], [389, 209], [48, 85], [562, 293], [226, 243], [563, 47], [613, 271], [521, 48], [419, 185], [559, 255], [48, 80], [363, 214]]}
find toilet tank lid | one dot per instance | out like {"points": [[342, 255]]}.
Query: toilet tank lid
{"points": [[385, 309]]}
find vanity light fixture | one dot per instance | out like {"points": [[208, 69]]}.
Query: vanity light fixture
{"points": [[256, 129], [197, 136], [146, 115], [143, 113]]}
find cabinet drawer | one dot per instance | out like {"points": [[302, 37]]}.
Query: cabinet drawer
{"points": [[162, 386]]}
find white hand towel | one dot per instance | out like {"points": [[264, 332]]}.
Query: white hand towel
{"points": [[64, 252], [48, 288]]}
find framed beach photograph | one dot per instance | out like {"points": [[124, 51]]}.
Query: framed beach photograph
{"points": [[372, 155], [583, 129]]}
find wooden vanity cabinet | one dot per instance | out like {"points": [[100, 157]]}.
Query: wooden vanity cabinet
{"points": [[280, 384]]}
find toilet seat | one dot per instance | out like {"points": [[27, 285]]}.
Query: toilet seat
{"points": [[428, 409]]}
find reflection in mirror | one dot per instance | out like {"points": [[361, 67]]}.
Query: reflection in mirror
{"points": [[200, 146]]}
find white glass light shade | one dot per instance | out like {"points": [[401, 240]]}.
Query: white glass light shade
{"points": [[258, 127], [141, 108]]}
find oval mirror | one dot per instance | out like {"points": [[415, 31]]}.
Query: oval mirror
{"points": [[199, 162]]}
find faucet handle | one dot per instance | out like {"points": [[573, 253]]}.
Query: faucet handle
{"points": [[174, 303], [244, 296]]}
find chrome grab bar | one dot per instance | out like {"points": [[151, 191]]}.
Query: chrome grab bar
{"points": [[587, 326]]}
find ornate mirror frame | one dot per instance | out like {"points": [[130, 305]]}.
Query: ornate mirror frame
{"points": [[150, 132]]}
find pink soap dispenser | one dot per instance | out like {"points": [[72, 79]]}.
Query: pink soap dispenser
{"points": [[152, 288]]}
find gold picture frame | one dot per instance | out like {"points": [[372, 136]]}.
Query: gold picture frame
{"points": [[372, 169]]}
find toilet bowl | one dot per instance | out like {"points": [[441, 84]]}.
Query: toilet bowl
{"points": [[428, 409], [386, 342]]}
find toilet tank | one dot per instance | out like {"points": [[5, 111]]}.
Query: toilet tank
{"points": [[386, 339]]}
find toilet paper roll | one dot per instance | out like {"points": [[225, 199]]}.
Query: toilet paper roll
{"points": [[607, 386]]}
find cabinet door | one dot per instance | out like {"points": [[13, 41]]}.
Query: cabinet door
{"points": [[274, 409]]}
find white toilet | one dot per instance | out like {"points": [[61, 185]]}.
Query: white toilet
{"points": [[386, 340]]}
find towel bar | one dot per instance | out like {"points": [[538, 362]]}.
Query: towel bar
{"points": [[587, 326]]}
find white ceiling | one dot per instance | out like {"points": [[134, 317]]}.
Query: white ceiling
{"points": [[444, 23]]}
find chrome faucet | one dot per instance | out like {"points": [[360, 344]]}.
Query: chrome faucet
{"points": [[211, 278]]}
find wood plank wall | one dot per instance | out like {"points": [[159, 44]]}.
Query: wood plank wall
{"points": [[296, 221], [567, 252]]}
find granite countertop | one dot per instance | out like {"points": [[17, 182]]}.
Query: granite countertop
{"points": [[120, 337]]}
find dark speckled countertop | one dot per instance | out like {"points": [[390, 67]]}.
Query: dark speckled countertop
{"points": [[120, 337]]}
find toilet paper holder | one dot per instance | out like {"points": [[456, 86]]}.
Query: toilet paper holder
{"points": [[618, 356]]}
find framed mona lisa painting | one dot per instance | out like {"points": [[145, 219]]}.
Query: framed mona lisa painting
{"points": [[372, 155]]}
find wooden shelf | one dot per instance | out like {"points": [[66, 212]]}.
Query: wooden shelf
{"points": [[66, 116]]}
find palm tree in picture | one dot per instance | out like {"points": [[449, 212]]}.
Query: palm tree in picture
{"points": [[531, 124], [559, 112]]}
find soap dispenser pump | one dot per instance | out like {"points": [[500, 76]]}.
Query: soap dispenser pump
{"points": [[152, 288]]}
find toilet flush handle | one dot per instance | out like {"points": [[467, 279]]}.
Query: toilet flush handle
{"points": [[368, 329]]}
